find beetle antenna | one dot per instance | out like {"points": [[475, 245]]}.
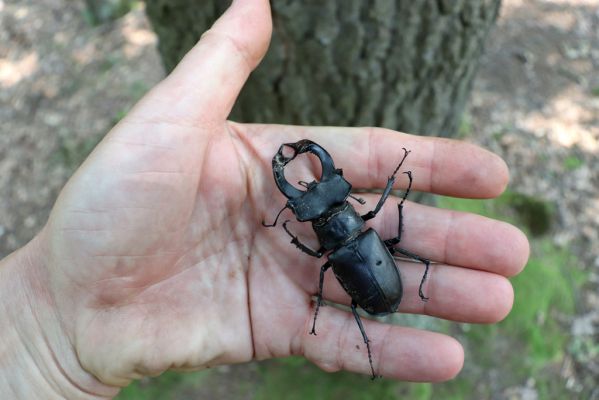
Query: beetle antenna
{"points": [[264, 224]]}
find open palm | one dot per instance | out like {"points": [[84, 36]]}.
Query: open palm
{"points": [[158, 258]]}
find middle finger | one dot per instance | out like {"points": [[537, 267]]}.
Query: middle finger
{"points": [[444, 236]]}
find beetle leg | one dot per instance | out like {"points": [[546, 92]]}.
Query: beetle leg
{"points": [[372, 214], [363, 332], [294, 239], [388, 188], [397, 239], [323, 269], [358, 199], [413, 256], [264, 224]]}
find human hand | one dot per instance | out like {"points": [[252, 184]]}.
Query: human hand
{"points": [[154, 256]]}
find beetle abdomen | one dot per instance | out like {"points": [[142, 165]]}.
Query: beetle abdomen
{"points": [[367, 271]]}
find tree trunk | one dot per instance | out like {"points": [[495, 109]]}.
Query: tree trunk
{"points": [[401, 64]]}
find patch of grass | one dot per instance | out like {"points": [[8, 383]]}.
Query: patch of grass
{"points": [[584, 349], [530, 338], [498, 135], [595, 91], [169, 385], [465, 128], [109, 62], [572, 162], [138, 89], [463, 387], [546, 288], [536, 214], [297, 379], [119, 115]]}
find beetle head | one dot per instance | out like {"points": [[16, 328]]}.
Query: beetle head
{"points": [[332, 189]]}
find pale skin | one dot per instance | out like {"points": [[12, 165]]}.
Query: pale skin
{"points": [[154, 256]]}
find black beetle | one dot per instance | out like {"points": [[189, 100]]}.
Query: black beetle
{"points": [[361, 261]]}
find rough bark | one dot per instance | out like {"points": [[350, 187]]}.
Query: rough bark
{"points": [[402, 64]]}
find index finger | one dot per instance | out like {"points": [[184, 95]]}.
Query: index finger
{"points": [[368, 156]]}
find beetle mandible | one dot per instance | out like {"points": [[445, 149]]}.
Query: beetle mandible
{"points": [[362, 262]]}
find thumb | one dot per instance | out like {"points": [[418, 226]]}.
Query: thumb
{"points": [[207, 81]]}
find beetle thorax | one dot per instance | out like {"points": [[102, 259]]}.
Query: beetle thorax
{"points": [[337, 226]]}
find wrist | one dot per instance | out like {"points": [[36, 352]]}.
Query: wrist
{"points": [[37, 359]]}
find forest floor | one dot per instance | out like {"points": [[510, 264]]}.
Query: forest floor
{"points": [[64, 82]]}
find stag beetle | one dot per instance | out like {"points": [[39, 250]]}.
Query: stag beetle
{"points": [[361, 261]]}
